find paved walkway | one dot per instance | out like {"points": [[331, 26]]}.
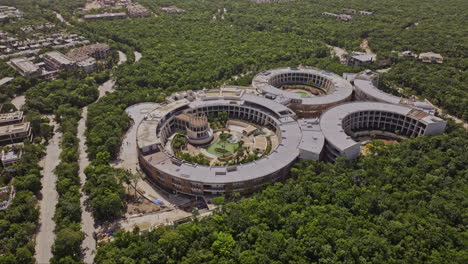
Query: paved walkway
{"points": [[45, 236], [128, 157], [88, 223], [89, 244]]}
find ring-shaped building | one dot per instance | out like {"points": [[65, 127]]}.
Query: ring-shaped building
{"points": [[297, 138], [337, 90]]}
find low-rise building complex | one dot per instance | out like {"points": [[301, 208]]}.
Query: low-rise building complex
{"points": [[9, 12], [25, 67], [342, 17], [7, 193], [56, 61], [359, 59]]}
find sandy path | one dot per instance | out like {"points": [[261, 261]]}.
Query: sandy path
{"points": [[88, 223], [106, 87], [137, 56], [89, 244], [365, 46], [45, 236], [18, 101]]}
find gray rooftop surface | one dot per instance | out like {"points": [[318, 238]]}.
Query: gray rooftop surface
{"points": [[342, 89], [369, 88]]}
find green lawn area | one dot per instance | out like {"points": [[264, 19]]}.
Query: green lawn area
{"points": [[303, 94], [220, 144]]}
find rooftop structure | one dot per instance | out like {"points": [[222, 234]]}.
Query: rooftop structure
{"points": [[105, 16], [15, 133], [55, 60], [354, 11], [7, 194], [136, 10], [318, 91], [268, 105], [11, 118], [408, 53], [194, 179], [342, 17], [172, 10], [98, 51], [31, 28], [342, 123], [11, 154], [25, 67], [87, 65], [359, 59], [431, 57], [6, 80], [12, 46]]}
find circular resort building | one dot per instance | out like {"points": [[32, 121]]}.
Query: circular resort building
{"points": [[236, 139], [307, 91], [253, 140]]}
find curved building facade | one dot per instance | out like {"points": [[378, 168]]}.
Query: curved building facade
{"points": [[297, 139], [336, 90], [319, 127], [341, 124]]}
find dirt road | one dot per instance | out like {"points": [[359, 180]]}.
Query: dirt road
{"points": [[338, 52], [89, 244], [365, 46], [45, 236]]}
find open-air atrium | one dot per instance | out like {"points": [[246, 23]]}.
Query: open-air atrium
{"points": [[236, 139]]}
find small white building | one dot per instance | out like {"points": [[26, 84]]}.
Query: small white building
{"points": [[431, 57]]}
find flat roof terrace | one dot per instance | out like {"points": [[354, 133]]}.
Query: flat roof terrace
{"points": [[14, 129], [11, 117]]}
